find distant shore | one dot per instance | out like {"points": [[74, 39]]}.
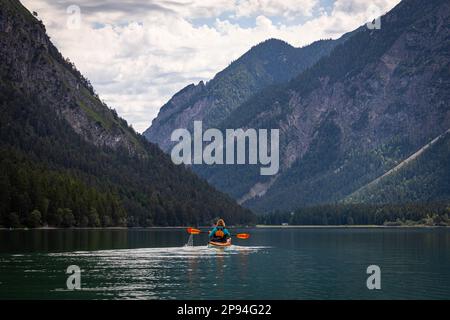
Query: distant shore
{"points": [[258, 226], [374, 226]]}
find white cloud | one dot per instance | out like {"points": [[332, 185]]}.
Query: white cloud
{"points": [[139, 53], [274, 8]]}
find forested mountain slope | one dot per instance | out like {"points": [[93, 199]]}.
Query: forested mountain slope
{"points": [[423, 177], [69, 160]]}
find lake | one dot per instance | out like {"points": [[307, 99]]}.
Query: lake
{"points": [[275, 263]]}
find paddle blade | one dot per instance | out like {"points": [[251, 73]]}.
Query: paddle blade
{"points": [[193, 231], [243, 236]]}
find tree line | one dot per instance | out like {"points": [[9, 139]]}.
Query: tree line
{"points": [[430, 214]]}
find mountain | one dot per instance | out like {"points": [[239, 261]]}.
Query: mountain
{"points": [[374, 101], [270, 62], [377, 98], [69, 160]]}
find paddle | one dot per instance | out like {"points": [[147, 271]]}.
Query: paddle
{"points": [[239, 235]]}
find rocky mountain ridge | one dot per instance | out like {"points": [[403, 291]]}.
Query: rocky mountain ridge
{"points": [[268, 63], [357, 112]]}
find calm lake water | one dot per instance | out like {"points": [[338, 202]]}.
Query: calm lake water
{"points": [[288, 263]]}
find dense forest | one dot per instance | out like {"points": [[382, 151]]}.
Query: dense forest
{"points": [[424, 178], [32, 195], [429, 214], [50, 176]]}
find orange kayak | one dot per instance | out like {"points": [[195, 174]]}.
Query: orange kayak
{"points": [[213, 244]]}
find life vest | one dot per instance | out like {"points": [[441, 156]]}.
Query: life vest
{"points": [[219, 233]]}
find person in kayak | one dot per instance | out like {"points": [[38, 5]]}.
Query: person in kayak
{"points": [[219, 233]]}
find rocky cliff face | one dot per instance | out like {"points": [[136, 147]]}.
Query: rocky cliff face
{"points": [[374, 100], [271, 62], [32, 64]]}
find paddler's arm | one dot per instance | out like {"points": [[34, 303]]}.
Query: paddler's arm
{"points": [[213, 231]]}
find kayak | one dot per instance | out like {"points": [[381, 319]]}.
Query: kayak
{"points": [[213, 244]]}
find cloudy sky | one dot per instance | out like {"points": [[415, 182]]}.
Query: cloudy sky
{"points": [[138, 53]]}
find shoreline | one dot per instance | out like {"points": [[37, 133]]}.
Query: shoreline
{"points": [[361, 226], [258, 226]]}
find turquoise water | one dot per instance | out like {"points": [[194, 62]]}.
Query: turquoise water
{"points": [[300, 263]]}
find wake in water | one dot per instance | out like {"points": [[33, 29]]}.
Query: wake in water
{"points": [[190, 242], [187, 251]]}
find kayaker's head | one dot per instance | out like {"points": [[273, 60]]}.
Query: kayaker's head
{"points": [[220, 223]]}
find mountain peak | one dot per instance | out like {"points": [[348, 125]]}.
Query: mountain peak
{"points": [[273, 42], [272, 61], [267, 49]]}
